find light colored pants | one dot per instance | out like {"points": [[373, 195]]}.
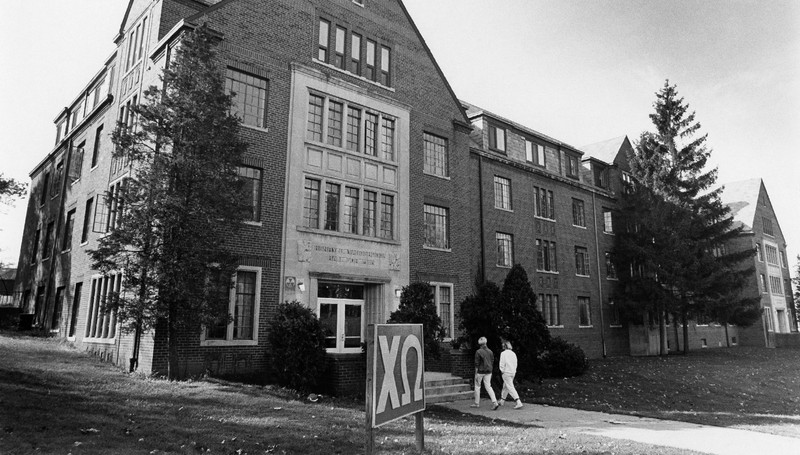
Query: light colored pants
{"points": [[486, 379], [508, 387]]}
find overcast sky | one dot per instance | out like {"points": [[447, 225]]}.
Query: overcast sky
{"points": [[579, 71]]}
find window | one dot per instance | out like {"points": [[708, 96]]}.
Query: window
{"points": [[76, 167], [355, 54], [502, 193], [69, 224], [546, 256], [614, 319], [768, 226], [353, 128], [338, 56], [611, 268], [581, 261], [505, 249], [87, 218], [578, 218], [386, 75], [58, 305], [387, 139], [529, 146], [763, 283], [45, 184], [249, 101], [35, 246], [584, 312], [772, 254], [56, 187], [627, 183], [497, 138], [548, 305], [443, 299], [332, 192], [608, 221], [115, 204], [76, 305], [341, 308], [38, 304], [101, 322], [371, 134], [759, 252], [572, 166], [315, 103], [351, 199], [47, 236], [370, 213], [435, 149], [243, 310], [600, 175], [783, 259], [387, 216], [61, 130], [251, 178], [335, 112], [543, 201], [436, 229], [787, 287], [371, 60], [324, 37], [311, 203], [775, 285]]}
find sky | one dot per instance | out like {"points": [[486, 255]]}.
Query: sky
{"points": [[579, 71]]}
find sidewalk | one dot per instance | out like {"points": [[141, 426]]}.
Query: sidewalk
{"points": [[681, 435]]}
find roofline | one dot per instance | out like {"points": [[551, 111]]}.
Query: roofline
{"points": [[433, 59], [484, 113]]}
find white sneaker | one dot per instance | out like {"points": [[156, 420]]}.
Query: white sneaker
{"points": [[518, 406]]}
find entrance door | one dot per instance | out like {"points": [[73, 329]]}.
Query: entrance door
{"points": [[342, 320]]}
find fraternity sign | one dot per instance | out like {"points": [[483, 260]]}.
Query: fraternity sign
{"points": [[397, 372]]}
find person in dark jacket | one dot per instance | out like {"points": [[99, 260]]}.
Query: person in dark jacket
{"points": [[484, 362]]}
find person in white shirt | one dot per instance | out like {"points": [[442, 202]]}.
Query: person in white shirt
{"points": [[508, 368]]}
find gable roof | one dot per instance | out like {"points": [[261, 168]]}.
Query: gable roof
{"points": [[742, 198], [605, 151]]}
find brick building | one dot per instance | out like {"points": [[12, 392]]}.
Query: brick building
{"points": [[356, 145], [367, 173]]}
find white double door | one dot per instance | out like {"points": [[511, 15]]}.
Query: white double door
{"points": [[343, 322]]}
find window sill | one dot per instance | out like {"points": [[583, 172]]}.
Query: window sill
{"points": [[66, 251], [260, 129], [615, 326], [443, 177], [83, 244], [503, 266], [553, 220], [228, 342], [585, 326], [612, 278], [433, 248], [504, 209], [74, 181], [549, 272], [578, 226], [583, 276], [100, 340], [359, 77], [608, 232], [555, 326], [253, 223]]}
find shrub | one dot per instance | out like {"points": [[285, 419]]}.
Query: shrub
{"points": [[564, 360], [417, 307], [298, 347]]}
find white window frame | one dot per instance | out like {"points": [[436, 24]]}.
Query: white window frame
{"points": [[503, 197], [451, 323], [341, 305], [228, 341]]}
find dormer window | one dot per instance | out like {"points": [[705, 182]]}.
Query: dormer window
{"points": [[497, 138], [572, 166]]}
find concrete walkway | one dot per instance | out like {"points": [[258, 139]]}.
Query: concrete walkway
{"points": [[681, 435]]}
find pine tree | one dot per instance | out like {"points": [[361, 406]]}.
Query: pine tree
{"points": [[182, 202], [674, 248], [524, 324]]}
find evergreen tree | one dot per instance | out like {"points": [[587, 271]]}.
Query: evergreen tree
{"points": [[10, 189], [417, 307], [672, 252], [524, 324], [181, 204]]}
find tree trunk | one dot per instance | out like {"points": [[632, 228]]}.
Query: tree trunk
{"points": [[662, 331], [685, 320], [172, 342], [675, 329]]}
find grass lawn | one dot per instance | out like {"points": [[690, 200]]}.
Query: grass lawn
{"points": [[55, 399], [749, 388]]}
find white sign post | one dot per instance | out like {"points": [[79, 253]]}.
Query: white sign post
{"points": [[395, 378]]}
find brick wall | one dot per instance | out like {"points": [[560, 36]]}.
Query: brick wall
{"points": [[346, 374]]}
